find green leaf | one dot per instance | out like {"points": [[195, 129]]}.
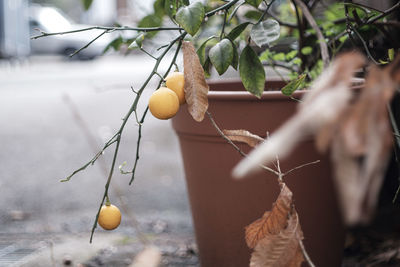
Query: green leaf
{"points": [[279, 57], [306, 50], [383, 62], [253, 14], [233, 13], [235, 32], [87, 4], [343, 38], [207, 68], [293, 85], [266, 55], [137, 43], [150, 21], [251, 71], [171, 6], [159, 9], [235, 59], [254, 3], [297, 61], [190, 17], [201, 52], [221, 55], [391, 54], [265, 32], [115, 44], [291, 55]]}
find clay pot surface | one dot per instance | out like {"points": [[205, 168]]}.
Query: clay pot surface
{"points": [[222, 207]]}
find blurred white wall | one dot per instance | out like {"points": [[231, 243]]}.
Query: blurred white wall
{"points": [[14, 28], [101, 12]]}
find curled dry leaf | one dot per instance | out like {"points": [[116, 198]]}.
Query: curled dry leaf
{"points": [[282, 249], [272, 222], [149, 257], [326, 100], [361, 147], [243, 136], [196, 88], [277, 235]]}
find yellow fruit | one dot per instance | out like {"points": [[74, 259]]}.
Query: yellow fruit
{"points": [[109, 217], [164, 103], [176, 82]]}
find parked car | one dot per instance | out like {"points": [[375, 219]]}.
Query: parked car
{"points": [[50, 20]]}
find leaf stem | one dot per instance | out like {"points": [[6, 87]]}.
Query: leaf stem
{"points": [[107, 29], [223, 7], [233, 144], [321, 39], [154, 72]]}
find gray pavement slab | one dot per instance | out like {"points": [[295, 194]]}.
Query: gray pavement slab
{"points": [[42, 141]]}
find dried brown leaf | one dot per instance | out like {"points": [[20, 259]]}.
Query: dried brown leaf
{"points": [[361, 147], [196, 87], [324, 103], [244, 136], [272, 222], [281, 249]]}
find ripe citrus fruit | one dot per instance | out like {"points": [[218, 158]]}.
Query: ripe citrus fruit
{"points": [[176, 82], [164, 103], [109, 217]]}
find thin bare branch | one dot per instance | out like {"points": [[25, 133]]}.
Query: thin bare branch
{"points": [[234, 145], [321, 39], [108, 29], [301, 166], [305, 254]]}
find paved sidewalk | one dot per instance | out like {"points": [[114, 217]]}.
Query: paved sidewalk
{"points": [[44, 141]]}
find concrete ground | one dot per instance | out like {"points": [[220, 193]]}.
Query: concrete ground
{"points": [[55, 115]]}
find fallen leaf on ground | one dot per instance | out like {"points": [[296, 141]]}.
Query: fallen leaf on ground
{"points": [[149, 257], [196, 88]]}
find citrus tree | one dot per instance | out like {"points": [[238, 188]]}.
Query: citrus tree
{"points": [[245, 35]]}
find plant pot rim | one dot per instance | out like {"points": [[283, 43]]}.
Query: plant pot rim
{"points": [[267, 94]]}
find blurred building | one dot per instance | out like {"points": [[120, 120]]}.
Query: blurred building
{"points": [[14, 29]]}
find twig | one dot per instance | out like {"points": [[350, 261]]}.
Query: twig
{"points": [[102, 163], [397, 142], [111, 141], [305, 254], [364, 44], [91, 42], [223, 25], [320, 36], [371, 21], [233, 144], [300, 26], [281, 23], [154, 72], [265, 12], [125, 120], [384, 13], [147, 53], [223, 7], [108, 29], [301, 166]]}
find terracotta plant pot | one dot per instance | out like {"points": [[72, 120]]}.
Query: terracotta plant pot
{"points": [[222, 207]]}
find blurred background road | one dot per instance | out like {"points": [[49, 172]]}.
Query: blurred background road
{"points": [[46, 103], [55, 115]]}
